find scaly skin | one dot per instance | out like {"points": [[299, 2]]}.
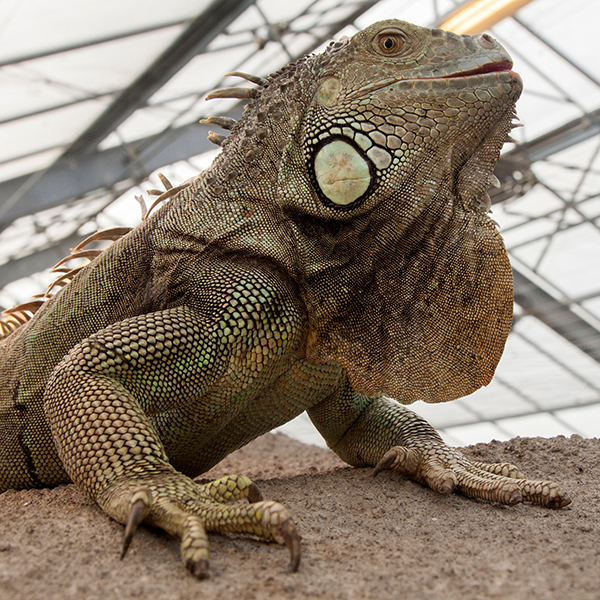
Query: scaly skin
{"points": [[337, 251]]}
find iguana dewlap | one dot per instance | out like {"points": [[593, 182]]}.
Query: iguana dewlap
{"points": [[337, 253]]}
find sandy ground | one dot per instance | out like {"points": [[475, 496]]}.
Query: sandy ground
{"points": [[363, 537]]}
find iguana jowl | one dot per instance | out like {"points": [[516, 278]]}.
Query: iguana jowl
{"points": [[336, 253]]}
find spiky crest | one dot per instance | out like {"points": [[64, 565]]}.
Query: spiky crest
{"points": [[13, 318]]}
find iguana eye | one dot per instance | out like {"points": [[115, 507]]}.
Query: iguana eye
{"points": [[390, 42]]}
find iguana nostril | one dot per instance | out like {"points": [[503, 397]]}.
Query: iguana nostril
{"points": [[486, 41]]}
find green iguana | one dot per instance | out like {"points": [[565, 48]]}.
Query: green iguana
{"points": [[336, 254]]}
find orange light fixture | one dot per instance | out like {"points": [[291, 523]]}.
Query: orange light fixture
{"points": [[478, 15]]}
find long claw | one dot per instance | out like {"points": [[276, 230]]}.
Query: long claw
{"points": [[189, 510], [404, 460], [559, 502], [292, 541], [140, 504], [384, 464], [254, 494]]}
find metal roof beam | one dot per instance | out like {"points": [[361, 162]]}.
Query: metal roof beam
{"points": [[520, 159], [195, 39], [77, 176], [539, 303]]}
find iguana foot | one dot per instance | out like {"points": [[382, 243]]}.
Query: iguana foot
{"points": [[445, 469], [188, 510]]}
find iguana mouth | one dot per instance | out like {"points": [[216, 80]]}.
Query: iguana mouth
{"points": [[504, 66]]}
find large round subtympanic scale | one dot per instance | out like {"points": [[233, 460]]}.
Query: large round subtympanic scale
{"points": [[342, 173]]}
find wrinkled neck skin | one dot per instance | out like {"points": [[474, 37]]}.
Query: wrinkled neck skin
{"points": [[414, 301]]}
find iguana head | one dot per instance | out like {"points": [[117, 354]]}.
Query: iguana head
{"points": [[375, 158]]}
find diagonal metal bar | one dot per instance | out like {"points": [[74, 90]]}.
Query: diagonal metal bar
{"points": [[520, 159], [539, 303], [78, 176], [196, 37]]}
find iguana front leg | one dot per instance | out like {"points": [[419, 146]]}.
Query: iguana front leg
{"points": [[97, 404], [384, 434]]}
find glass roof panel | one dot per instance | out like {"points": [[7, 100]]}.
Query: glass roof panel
{"points": [[29, 164], [307, 22], [548, 76], [277, 11], [583, 419], [579, 364], [144, 122], [419, 13], [323, 6], [542, 424], [26, 91], [50, 81], [463, 435], [59, 127], [249, 20], [229, 40], [539, 377], [572, 27], [335, 14], [203, 73], [590, 208], [53, 25], [593, 306], [264, 62], [497, 400], [445, 414], [27, 287], [569, 260], [297, 44], [583, 160]]}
